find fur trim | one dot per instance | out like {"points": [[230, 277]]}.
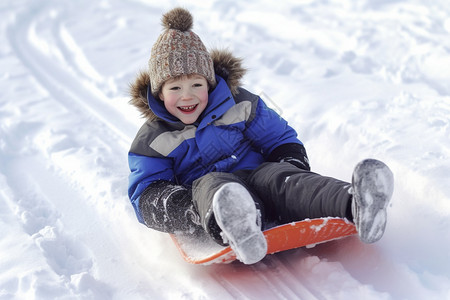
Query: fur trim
{"points": [[226, 66], [138, 93], [229, 68]]}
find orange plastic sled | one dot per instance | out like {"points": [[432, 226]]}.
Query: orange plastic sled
{"points": [[203, 250]]}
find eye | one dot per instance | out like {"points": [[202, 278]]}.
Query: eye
{"points": [[174, 88], [198, 84]]}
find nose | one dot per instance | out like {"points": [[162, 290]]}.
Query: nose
{"points": [[186, 95]]}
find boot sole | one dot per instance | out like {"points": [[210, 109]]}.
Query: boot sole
{"points": [[373, 187], [236, 215]]}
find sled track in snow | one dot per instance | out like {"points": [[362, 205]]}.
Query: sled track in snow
{"points": [[274, 277], [283, 280], [290, 278], [60, 250], [275, 273], [54, 77]]}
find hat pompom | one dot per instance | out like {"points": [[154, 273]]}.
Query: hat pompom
{"points": [[178, 51], [178, 18]]}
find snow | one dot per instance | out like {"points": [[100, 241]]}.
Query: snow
{"points": [[357, 79]]}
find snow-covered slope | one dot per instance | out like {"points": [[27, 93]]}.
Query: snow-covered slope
{"points": [[357, 79]]}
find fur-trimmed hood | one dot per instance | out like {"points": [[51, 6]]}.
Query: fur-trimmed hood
{"points": [[226, 66]]}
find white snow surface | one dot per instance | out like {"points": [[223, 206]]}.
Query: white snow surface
{"points": [[356, 79]]}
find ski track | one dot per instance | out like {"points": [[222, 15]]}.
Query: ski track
{"points": [[68, 181]]}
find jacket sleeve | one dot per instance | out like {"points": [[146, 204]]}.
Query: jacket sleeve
{"points": [[273, 136], [144, 171]]}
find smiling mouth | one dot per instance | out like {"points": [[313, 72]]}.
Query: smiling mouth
{"points": [[188, 109]]}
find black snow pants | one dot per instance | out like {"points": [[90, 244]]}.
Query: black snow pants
{"points": [[282, 193]]}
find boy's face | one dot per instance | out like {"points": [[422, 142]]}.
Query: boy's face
{"points": [[185, 97]]}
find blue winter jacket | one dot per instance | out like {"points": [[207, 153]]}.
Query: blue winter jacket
{"points": [[233, 133]]}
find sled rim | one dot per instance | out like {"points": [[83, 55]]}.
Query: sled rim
{"points": [[226, 254], [281, 238], [275, 242]]}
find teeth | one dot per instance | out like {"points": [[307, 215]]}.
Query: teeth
{"points": [[187, 107]]}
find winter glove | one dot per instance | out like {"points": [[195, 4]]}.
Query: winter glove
{"points": [[291, 153], [168, 207]]}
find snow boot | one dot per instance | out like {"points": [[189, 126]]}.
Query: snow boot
{"points": [[236, 214], [372, 185]]}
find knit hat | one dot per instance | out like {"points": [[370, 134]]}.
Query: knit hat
{"points": [[178, 51]]}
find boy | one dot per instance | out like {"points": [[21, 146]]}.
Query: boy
{"points": [[213, 157]]}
